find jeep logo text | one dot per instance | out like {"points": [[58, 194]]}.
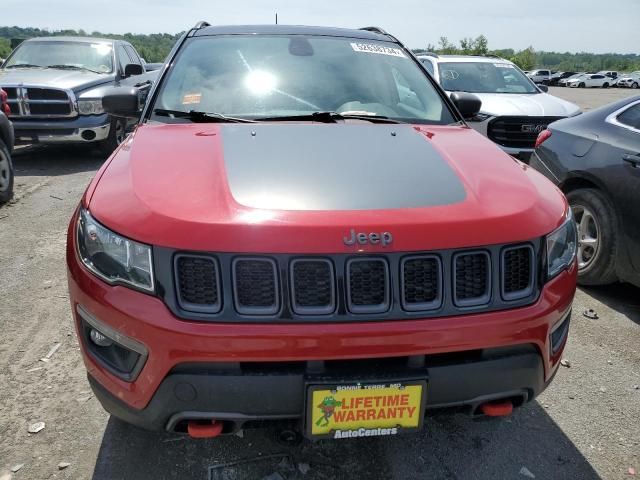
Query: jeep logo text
{"points": [[373, 238]]}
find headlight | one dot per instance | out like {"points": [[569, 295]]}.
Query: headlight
{"points": [[561, 247], [113, 258], [90, 107]]}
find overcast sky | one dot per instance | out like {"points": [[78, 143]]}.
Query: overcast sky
{"points": [[571, 25]]}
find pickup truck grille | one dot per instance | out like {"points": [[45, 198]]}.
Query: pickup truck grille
{"points": [[227, 287], [517, 132], [40, 102]]}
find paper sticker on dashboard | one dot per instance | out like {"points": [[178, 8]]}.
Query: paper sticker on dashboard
{"points": [[379, 49], [191, 98]]}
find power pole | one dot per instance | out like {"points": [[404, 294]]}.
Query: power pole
{"points": [[276, 18]]}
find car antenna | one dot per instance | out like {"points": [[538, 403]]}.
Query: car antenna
{"points": [[276, 18]]}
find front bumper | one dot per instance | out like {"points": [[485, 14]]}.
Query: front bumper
{"points": [[81, 129], [241, 372], [241, 396]]}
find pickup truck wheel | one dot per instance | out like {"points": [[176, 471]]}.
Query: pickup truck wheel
{"points": [[597, 244], [116, 136], [6, 174]]}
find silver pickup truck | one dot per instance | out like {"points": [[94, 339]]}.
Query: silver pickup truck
{"points": [[55, 87]]}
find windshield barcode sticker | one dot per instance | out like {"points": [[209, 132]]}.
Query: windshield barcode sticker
{"points": [[379, 49]]}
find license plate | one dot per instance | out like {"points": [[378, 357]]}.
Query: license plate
{"points": [[365, 409]]}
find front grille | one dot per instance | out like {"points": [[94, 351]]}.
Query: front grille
{"points": [[312, 286], [39, 102], [472, 285], [198, 283], [517, 132], [255, 286], [368, 286], [517, 268], [280, 287], [421, 287]]}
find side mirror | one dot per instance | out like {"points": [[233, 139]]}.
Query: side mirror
{"points": [[543, 88], [122, 102], [133, 69], [468, 104]]}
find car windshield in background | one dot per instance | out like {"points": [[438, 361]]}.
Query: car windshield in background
{"points": [[258, 77], [96, 57], [484, 77]]}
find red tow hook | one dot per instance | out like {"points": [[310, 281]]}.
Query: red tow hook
{"points": [[497, 409], [204, 430]]}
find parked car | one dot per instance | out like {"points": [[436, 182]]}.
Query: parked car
{"points": [[55, 87], [558, 76], [540, 76], [514, 110], [6, 147], [590, 81], [564, 81], [629, 80], [609, 73], [314, 223], [595, 160]]}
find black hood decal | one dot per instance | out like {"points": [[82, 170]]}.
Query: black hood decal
{"points": [[336, 167]]}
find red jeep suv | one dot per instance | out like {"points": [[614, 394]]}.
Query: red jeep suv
{"points": [[303, 227]]}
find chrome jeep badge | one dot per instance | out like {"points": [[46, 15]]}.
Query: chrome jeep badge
{"points": [[373, 238]]}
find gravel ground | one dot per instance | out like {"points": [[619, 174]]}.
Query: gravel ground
{"points": [[585, 426]]}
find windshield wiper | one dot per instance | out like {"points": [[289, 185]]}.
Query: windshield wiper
{"points": [[72, 67], [200, 117], [24, 65], [330, 117]]}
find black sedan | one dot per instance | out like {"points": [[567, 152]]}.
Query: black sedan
{"points": [[556, 77], [595, 159]]}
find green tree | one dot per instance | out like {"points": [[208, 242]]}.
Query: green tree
{"points": [[446, 47], [525, 59], [480, 45]]}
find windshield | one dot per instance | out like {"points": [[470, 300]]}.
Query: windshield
{"points": [[484, 77], [97, 57], [291, 75]]}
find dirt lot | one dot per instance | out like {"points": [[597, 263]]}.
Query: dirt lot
{"points": [[585, 426]]}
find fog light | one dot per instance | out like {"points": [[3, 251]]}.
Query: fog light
{"points": [[100, 339]]}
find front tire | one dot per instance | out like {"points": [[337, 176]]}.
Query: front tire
{"points": [[634, 85], [6, 174], [606, 85], [116, 136], [597, 231], [582, 85]]}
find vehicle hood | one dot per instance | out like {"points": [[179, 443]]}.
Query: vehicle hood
{"points": [[54, 78], [302, 187], [539, 105]]}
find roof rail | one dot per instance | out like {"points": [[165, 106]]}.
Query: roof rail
{"points": [[374, 30], [427, 54], [202, 24]]}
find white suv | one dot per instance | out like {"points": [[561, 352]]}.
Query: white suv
{"points": [[514, 109], [540, 76]]}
